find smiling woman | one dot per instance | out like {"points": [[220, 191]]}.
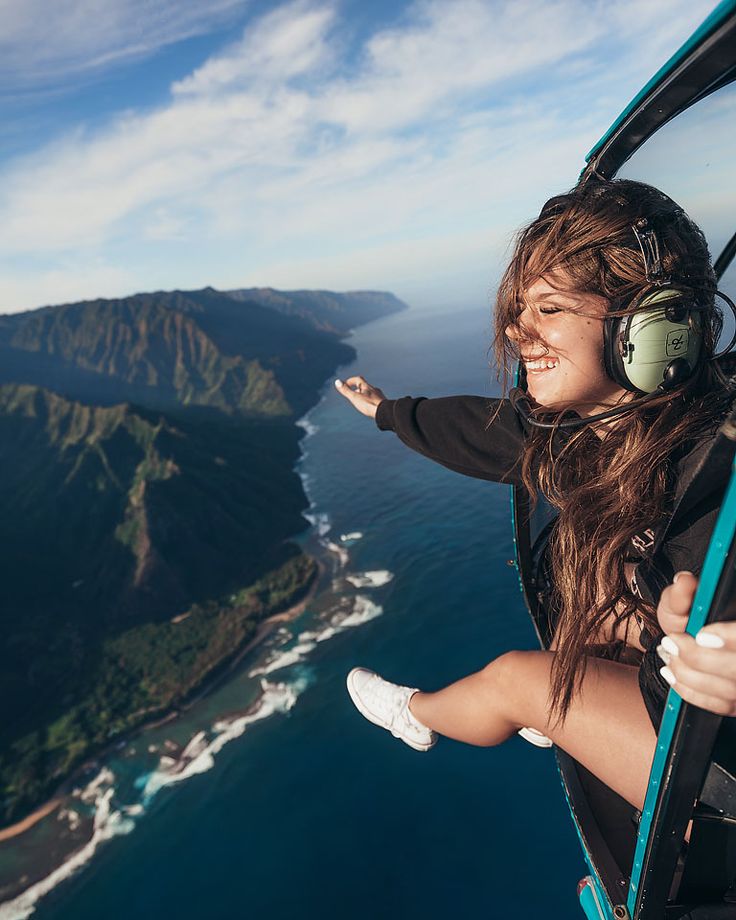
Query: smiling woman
{"points": [[594, 261], [588, 257], [559, 334]]}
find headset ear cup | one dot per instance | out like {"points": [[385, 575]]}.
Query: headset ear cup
{"points": [[614, 328], [680, 370], [676, 372], [657, 346], [608, 335]]}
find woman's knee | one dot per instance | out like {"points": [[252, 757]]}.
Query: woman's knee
{"points": [[517, 679], [507, 668]]}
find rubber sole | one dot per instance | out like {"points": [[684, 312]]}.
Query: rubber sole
{"points": [[536, 738]]}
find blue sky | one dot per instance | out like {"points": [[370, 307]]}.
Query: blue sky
{"points": [[339, 145]]}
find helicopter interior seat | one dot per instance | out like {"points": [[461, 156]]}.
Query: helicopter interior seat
{"points": [[710, 869]]}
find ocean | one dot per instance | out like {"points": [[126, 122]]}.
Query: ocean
{"points": [[287, 803]]}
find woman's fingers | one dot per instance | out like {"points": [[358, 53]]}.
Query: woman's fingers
{"points": [[701, 673], [361, 394], [360, 385], [674, 604], [702, 670]]}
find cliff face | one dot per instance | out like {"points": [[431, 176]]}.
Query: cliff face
{"points": [[199, 348], [133, 510], [147, 448], [325, 310]]}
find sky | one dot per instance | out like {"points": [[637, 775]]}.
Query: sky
{"points": [[337, 145]]}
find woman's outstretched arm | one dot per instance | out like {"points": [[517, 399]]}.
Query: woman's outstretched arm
{"points": [[471, 435]]}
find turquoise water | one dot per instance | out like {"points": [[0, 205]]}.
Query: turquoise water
{"points": [[313, 812]]}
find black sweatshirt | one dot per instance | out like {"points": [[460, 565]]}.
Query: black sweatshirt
{"points": [[455, 432]]}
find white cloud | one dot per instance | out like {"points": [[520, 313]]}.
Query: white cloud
{"points": [[462, 117], [163, 225], [65, 281], [417, 72], [42, 42], [285, 43]]}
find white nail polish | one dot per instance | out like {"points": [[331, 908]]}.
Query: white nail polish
{"points": [[709, 640], [338, 383], [669, 645], [668, 676], [664, 655]]}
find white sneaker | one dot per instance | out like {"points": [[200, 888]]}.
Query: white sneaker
{"points": [[387, 705], [534, 737]]}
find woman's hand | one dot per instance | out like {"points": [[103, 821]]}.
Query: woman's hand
{"points": [[702, 670], [361, 394]]}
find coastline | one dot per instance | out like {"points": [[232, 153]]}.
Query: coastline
{"points": [[106, 815], [25, 824], [264, 629]]}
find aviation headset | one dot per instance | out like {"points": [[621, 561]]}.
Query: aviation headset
{"points": [[649, 351], [659, 346]]}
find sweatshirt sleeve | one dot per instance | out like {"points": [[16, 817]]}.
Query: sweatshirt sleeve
{"points": [[457, 432]]}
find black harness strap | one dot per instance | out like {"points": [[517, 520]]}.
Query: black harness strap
{"points": [[696, 483]]}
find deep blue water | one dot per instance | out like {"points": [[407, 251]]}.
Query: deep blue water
{"points": [[316, 813]]}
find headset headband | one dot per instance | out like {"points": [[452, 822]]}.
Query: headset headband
{"points": [[649, 245]]}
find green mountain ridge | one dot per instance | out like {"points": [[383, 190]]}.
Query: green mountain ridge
{"points": [[326, 310], [262, 354], [148, 352], [147, 452], [148, 505], [116, 520]]}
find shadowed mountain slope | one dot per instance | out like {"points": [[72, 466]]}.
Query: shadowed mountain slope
{"points": [[147, 452], [325, 310], [197, 348]]}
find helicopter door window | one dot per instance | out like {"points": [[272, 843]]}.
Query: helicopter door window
{"points": [[692, 159]]}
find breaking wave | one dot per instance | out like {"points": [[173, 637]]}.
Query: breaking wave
{"points": [[199, 755], [375, 579], [113, 820], [309, 427], [342, 554], [320, 521], [361, 610], [109, 822]]}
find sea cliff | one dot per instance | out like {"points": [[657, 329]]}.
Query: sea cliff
{"points": [[147, 447]]}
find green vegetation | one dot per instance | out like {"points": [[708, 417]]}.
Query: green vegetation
{"points": [[166, 350], [325, 310], [140, 674], [116, 519], [147, 452]]}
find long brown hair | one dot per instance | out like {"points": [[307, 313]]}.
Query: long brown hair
{"points": [[607, 490]]}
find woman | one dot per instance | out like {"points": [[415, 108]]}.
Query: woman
{"points": [[611, 460]]}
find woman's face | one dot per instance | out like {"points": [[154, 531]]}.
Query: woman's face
{"points": [[560, 337]]}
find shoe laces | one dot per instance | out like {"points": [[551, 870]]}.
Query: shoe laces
{"points": [[395, 698]]}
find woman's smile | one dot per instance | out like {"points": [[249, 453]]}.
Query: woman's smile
{"points": [[559, 334], [540, 365]]}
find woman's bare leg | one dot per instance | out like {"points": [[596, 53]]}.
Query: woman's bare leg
{"points": [[607, 727]]}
